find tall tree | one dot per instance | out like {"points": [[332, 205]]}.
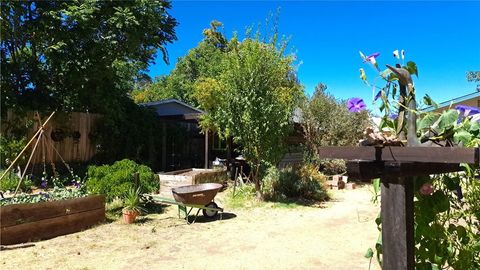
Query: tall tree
{"points": [[203, 61], [79, 54], [254, 97], [327, 121]]}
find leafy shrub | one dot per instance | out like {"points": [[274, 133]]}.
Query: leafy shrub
{"points": [[305, 182], [10, 147], [10, 182], [333, 166], [117, 179]]}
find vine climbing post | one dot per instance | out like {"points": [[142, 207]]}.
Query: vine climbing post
{"points": [[397, 210]]}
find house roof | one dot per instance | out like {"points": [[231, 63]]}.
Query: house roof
{"points": [[454, 101], [173, 109]]}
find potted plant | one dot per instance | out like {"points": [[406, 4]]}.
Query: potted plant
{"points": [[132, 206]]}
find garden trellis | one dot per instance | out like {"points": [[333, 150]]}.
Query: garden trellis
{"points": [[397, 168], [38, 138]]}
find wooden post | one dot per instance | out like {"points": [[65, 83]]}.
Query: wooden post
{"points": [[206, 149], [397, 213], [164, 146]]}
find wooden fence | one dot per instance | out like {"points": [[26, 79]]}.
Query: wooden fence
{"points": [[69, 133]]}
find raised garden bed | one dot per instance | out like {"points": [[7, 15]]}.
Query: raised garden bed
{"points": [[196, 176], [22, 223]]}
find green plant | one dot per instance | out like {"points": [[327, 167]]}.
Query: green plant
{"points": [[10, 183], [332, 166], [304, 183], [56, 194], [446, 224], [10, 147], [117, 179], [132, 201]]}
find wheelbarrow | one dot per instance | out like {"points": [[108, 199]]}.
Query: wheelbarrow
{"points": [[198, 196]]}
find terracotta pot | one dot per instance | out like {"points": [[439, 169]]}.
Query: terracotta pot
{"points": [[129, 216]]}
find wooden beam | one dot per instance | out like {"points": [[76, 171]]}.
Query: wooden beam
{"points": [[366, 170], [397, 213], [453, 155], [206, 149]]}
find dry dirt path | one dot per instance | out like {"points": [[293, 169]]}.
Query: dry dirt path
{"points": [[334, 236]]}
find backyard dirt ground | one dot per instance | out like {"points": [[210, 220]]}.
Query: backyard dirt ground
{"points": [[334, 235]]}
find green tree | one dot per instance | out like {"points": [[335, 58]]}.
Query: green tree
{"points": [[327, 121], [473, 76], [203, 61], [260, 94], [79, 54]]}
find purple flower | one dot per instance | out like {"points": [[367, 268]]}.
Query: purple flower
{"points": [[465, 111], [44, 183], [76, 183], [356, 105], [372, 58], [378, 95], [459, 193], [393, 116]]}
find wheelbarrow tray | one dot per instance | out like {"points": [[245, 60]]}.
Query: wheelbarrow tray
{"points": [[200, 194], [193, 196]]}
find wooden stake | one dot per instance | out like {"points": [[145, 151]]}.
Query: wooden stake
{"points": [[28, 163], [25, 148]]}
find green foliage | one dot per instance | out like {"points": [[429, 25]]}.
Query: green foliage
{"points": [[244, 197], [10, 183], [261, 92], [92, 52], [332, 166], [305, 183], [446, 206], [57, 194], [134, 128], [10, 147], [116, 180], [446, 227], [327, 122], [200, 62], [473, 76], [132, 201], [248, 89]]}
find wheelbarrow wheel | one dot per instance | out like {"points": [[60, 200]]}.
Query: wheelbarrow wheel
{"points": [[210, 213]]}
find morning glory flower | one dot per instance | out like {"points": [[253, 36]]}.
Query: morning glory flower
{"points": [[396, 54], [393, 116], [372, 58], [465, 111], [44, 182], [356, 105], [459, 193]]}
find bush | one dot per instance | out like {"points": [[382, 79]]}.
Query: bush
{"points": [[10, 182], [305, 183], [333, 166], [117, 179]]}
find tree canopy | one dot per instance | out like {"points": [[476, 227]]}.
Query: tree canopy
{"points": [[202, 61], [327, 121], [80, 55]]}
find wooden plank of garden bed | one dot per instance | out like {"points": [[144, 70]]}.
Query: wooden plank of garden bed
{"points": [[410, 154], [14, 214], [52, 227]]}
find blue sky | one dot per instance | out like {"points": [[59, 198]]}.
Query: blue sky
{"points": [[443, 38]]}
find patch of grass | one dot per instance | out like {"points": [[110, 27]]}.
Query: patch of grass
{"points": [[245, 197]]}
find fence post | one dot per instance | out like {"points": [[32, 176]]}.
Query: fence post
{"points": [[397, 213]]}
